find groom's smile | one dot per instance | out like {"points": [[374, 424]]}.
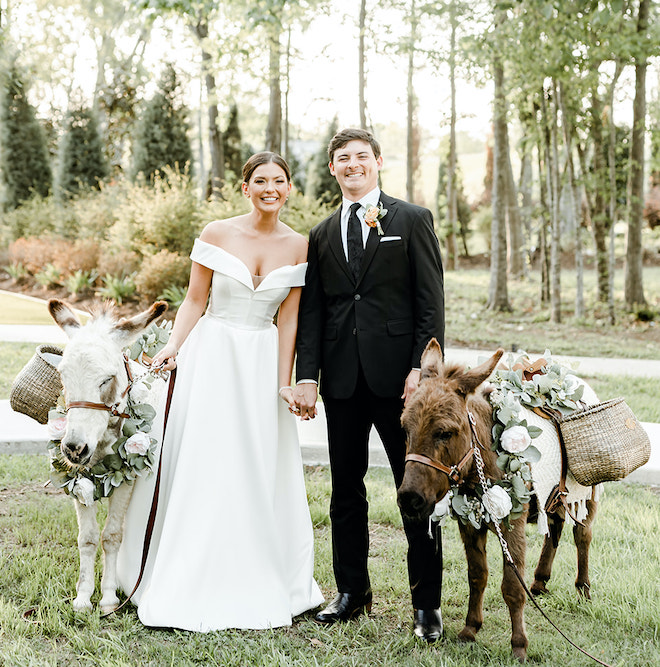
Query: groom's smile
{"points": [[356, 169]]}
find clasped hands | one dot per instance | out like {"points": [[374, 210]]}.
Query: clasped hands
{"points": [[302, 397]]}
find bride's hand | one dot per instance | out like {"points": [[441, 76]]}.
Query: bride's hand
{"points": [[286, 393], [166, 358]]}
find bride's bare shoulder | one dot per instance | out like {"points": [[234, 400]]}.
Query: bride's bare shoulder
{"points": [[219, 232], [298, 243]]}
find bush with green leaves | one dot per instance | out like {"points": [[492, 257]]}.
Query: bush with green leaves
{"points": [[17, 272], [163, 217], [302, 212], [49, 276], [38, 216], [80, 282], [174, 295], [158, 272], [117, 288]]}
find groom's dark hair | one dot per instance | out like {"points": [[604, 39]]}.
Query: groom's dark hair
{"points": [[352, 134]]}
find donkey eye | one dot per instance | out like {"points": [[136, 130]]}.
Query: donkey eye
{"points": [[107, 380], [442, 436]]}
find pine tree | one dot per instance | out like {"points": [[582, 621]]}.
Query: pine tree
{"points": [[82, 162], [24, 161], [161, 134], [321, 184], [231, 141]]}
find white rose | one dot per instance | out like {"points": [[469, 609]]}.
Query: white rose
{"points": [[442, 508], [56, 427], [83, 490], [497, 502], [140, 392], [138, 443], [515, 439]]}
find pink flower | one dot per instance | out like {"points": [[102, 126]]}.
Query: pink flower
{"points": [[515, 439], [56, 427], [138, 443]]}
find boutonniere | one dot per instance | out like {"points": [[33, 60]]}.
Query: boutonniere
{"points": [[373, 216]]}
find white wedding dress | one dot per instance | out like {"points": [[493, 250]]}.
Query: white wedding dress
{"points": [[232, 546]]}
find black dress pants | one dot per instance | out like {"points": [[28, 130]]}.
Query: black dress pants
{"points": [[349, 423]]}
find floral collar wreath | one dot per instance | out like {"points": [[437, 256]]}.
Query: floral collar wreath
{"points": [[133, 453], [552, 385], [374, 214]]}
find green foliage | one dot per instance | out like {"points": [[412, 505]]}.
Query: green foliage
{"points": [[302, 212], [49, 276], [232, 148], [321, 184], [117, 288], [165, 216], [464, 211], [24, 162], [82, 162], [174, 295], [161, 133], [80, 282], [17, 272], [158, 272]]}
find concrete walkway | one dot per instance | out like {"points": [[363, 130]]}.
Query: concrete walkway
{"points": [[20, 434]]}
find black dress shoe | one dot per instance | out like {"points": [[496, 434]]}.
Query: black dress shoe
{"points": [[427, 624], [344, 607]]}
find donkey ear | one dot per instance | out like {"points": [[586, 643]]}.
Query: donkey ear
{"points": [[432, 360], [127, 329], [64, 316], [471, 379]]}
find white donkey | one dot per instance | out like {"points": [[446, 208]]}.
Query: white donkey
{"points": [[97, 378]]}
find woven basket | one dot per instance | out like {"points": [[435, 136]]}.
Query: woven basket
{"points": [[604, 443], [37, 387]]}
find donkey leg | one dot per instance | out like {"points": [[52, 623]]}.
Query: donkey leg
{"points": [[513, 591], [88, 541], [582, 535], [548, 552], [474, 543], [111, 541]]}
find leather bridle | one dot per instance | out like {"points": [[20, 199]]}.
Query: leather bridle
{"points": [[112, 409]]}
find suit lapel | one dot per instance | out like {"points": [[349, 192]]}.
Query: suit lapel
{"points": [[334, 241], [373, 240]]}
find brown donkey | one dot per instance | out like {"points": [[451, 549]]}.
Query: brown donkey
{"points": [[438, 429]]}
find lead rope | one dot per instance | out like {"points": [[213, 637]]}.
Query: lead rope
{"points": [[505, 547]]}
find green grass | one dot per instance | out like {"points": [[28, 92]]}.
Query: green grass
{"points": [[528, 327], [13, 356], [16, 310], [38, 561]]}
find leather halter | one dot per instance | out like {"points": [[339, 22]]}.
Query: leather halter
{"points": [[112, 409], [453, 472]]}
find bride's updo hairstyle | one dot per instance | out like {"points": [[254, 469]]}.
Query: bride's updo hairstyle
{"points": [[264, 158]]}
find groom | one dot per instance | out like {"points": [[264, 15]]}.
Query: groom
{"points": [[372, 300]]}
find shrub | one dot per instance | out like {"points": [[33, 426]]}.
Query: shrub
{"points": [[174, 296], [82, 255], [117, 262], [33, 253], [162, 217], [116, 288], [302, 212], [17, 272], [95, 211], [49, 276], [37, 216], [162, 271], [80, 282]]}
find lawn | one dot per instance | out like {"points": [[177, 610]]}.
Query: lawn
{"points": [[621, 625]]}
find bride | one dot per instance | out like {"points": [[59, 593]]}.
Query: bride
{"points": [[232, 544]]}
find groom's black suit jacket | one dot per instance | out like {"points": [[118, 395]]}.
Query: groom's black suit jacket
{"points": [[383, 321]]}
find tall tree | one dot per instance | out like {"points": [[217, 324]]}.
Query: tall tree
{"points": [[24, 161], [321, 184], [161, 134], [82, 164], [634, 289]]}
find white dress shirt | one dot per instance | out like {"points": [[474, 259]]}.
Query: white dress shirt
{"points": [[370, 199]]}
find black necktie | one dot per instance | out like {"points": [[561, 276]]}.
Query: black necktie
{"points": [[354, 241]]}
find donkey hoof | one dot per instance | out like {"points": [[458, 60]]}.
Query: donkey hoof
{"points": [[82, 604], [468, 634], [584, 590], [520, 653], [539, 588]]}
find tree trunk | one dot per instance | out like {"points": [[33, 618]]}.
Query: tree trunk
{"points": [[410, 96], [544, 258], [217, 175], [452, 198], [287, 81], [515, 245], [361, 63], [634, 290], [498, 297], [274, 128]]}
